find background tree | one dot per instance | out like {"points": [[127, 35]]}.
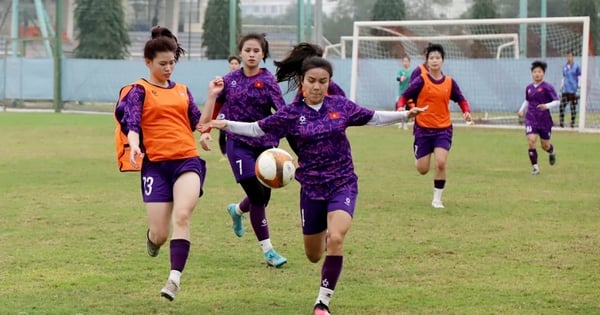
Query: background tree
{"points": [[588, 8], [215, 39], [102, 32], [340, 22], [483, 9], [387, 10]]}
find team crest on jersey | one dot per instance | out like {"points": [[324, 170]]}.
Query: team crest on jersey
{"points": [[334, 115], [258, 84]]}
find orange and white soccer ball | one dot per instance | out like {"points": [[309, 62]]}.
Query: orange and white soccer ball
{"points": [[275, 168]]}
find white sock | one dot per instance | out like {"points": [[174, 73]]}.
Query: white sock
{"points": [[536, 167], [437, 194], [266, 245], [238, 210], [175, 276], [324, 296]]}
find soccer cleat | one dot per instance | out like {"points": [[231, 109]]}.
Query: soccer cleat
{"points": [[437, 204], [535, 171], [321, 309], [274, 259], [238, 226], [152, 249], [552, 158], [169, 290]]}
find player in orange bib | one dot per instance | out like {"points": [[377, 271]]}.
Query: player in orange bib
{"points": [[159, 117], [433, 128]]}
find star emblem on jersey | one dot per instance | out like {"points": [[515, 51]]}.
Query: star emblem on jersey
{"points": [[259, 84]]}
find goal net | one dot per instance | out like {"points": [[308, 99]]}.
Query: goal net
{"points": [[490, 59]]}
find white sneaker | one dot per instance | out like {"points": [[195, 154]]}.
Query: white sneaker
{"points": [[169, 290], [437, 204]]}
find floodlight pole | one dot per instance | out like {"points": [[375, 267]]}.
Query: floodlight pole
{"points": [[232, 26], [300, 26], [58, 104], [523, 28], [544, 13]]}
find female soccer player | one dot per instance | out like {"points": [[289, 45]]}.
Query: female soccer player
{"points": [[234, 64], [317, 124], [249, 94], [540, 96], [172, 173], [569, 87], [403, 78], [288, 69], [433, 129]]}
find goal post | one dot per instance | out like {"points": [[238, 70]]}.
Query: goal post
{"points": [[489, 58], [505, 42]]}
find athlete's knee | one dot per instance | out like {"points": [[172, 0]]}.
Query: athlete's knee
{"points": [[335, 242], [314, 257], [181, 218]]}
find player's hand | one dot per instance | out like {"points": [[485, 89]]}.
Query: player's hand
{"points": [[468, 119], [416, 111], [520, 113], [215, 86], [542, 107], [205, 138], [135, 154]]}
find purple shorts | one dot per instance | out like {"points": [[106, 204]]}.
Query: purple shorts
{"points": [[242, 159], [314, 212], [426, 140], [544, 132], [158, 178]]}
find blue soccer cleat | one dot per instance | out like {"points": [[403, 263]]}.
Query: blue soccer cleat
{"points": [[274, 259], [238, 226]]}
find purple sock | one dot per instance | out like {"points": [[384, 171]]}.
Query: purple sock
{"points": [[180, 250], [258, 218], [550, 149], [439, 183], [245, 205], [533, 156], [330, 273]]}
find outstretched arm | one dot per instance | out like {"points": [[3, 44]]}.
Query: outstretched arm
{"points": [[384, 118], [250, 129]]}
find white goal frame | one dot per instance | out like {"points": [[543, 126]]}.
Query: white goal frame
{"points": [[585, 21], [513, 37]]}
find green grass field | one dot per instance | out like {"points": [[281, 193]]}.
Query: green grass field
{"points": [[72, 230]]}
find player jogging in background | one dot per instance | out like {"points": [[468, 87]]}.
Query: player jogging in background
{"points": [[329, 186], [433, 129], [569, 87], [249, 94], [159, 117], [403, 78], [540, 97]]}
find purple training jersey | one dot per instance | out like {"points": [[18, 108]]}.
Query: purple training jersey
{"points": [[323, 150], [250, 99], [543, 93]]}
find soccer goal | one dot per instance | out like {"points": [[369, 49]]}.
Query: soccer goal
{"points": [[489, 58]]}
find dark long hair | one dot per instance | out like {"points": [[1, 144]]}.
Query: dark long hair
{"points": [[162, 40], [290, 68]]}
